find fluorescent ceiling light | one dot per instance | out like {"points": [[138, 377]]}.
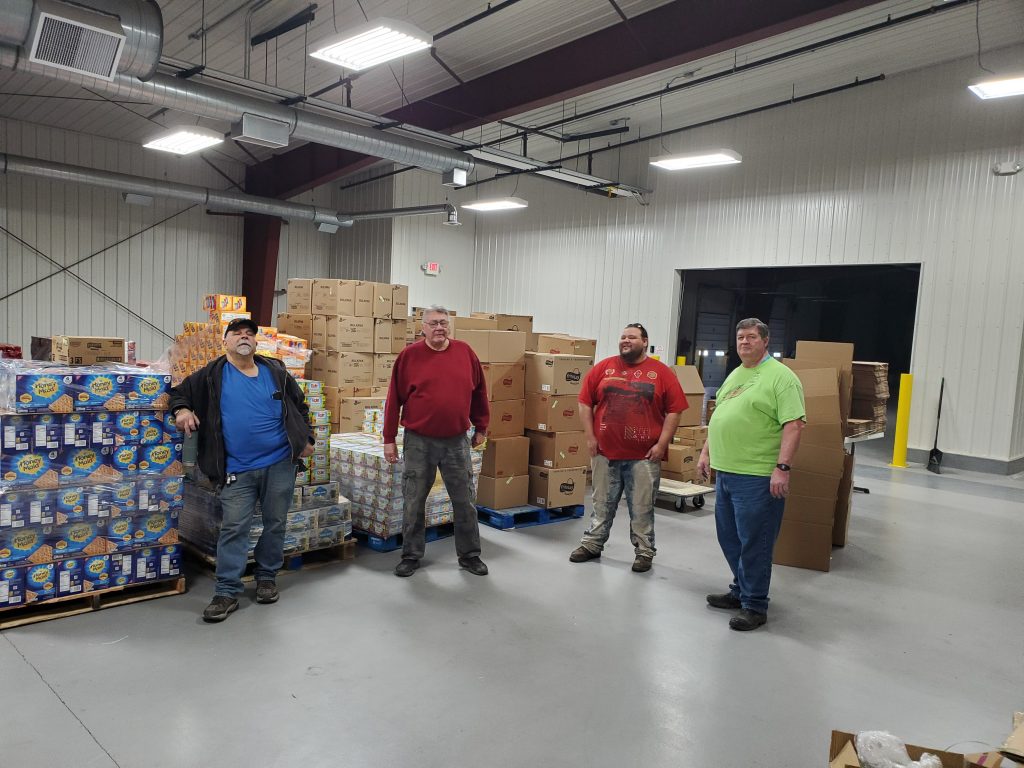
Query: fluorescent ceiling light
{"points": [[184, 140], [998, 89], [496, 204], [697, 160], [372, 43]]}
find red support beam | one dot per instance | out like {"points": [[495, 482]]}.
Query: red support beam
{"points": [[261, 242]]}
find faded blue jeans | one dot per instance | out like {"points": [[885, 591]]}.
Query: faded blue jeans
{"points": [[639, 481], [272, 487], [748, 519]]}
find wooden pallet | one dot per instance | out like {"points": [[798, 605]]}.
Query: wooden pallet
{"points": [[297, 561], [524, 517], [71, 605], [391, 543]]}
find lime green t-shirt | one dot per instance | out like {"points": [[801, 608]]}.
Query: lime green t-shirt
{"points": [[751, 406]]}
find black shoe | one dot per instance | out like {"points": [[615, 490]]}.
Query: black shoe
{"points": [[219, 608], [724, 601], [746, 620], [582, 554], [266, 591], [642, 564], [407, 567], [474, 565]]}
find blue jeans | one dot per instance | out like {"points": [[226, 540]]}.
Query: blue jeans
{"points": [[748, 519], [272, 487], [638, 480]]}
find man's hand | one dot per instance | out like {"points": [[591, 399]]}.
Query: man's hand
{"points": [[307, 451], [478, 439], [186, 421], [391, 453], [780, 483], [592, 446], [657, 452], [704, 463]]}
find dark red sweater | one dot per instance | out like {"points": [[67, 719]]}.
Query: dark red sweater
{"points": [[439, 393]]}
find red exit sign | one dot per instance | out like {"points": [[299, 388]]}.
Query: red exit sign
{"points": [[432, 267]]}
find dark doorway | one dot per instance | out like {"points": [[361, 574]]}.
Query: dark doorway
{"points": [[873, 306]]}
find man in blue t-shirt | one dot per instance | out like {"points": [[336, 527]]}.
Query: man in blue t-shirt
{"points": [[252, 426]]}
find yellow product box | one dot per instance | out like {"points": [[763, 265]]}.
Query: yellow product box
{"points": [[223, 302]]}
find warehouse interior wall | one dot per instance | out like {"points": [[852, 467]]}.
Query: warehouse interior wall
{"points": [[157, 261], [363, 251], [304, 251]]}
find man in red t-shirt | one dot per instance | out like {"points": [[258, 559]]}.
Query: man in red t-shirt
{"points": [[439, 386], [630, 406]]}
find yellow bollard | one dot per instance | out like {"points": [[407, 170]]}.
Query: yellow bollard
{"points": [[681, 360], [899, 446]]}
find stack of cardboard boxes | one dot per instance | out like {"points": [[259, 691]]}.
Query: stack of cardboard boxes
{"points": [[356, 329], [870, 398], [680, 463], [821, 481]]}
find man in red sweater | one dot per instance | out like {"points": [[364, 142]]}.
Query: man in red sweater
{"points": [[630, 406], [439, 386]]}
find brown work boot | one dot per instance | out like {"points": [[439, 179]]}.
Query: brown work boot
{"points": [[642, 564], [582, 554]]}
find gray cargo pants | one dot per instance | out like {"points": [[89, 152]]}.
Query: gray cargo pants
{"points": [[423, 457]]}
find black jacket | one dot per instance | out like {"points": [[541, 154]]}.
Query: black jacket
{"points": [[200, 393]]}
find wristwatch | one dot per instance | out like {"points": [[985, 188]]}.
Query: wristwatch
{"points": [[784, 467]]}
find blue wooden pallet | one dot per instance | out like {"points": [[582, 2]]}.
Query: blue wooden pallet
{"points": [[524, 517], [391, 543]]}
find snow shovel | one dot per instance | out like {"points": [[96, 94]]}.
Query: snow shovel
{"points": [[935, 455]]}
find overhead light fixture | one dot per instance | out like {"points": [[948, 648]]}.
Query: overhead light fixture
{"points": [[135, 199], [372, 43], [451, 218], [496, 204], [185, 139], [998, 89], [697, 160]]}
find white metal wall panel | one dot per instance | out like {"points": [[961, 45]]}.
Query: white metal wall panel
{"points": [[158, 261], [363, 252], [417, 239], [304, 251], [889, 173]]}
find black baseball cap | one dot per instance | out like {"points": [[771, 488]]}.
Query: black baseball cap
{"points": [[242, 322]]}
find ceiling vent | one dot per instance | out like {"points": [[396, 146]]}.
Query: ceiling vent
{"points": [[76, 39]]}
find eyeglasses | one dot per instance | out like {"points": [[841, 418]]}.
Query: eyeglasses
{"points": [[436, 323]]}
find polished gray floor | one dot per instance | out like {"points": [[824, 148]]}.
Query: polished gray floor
{"points": [[918, 629]]}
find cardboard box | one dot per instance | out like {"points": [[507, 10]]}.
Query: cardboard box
{"points": [[832, 355], [844, 500], [693, 388], [375, 299], [804, 545], [473, 323], [551, 488], [555, 374], [296, 325], [506, 457], [552, 413], [341, 369], [333, 298], [504, 322], [399, 302], [388, 335], [843, 748], [813, 484], [821, 392], [494, 346], [503, 492], [351, 412], [563, 344], [300, 295], [680, 459], [88, 350], [350, 334], [558, 450], [819, 459], [382, 367], [506, 418], [505, 381]]}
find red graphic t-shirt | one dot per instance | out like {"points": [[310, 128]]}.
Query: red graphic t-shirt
{"points": [[630, 403]]}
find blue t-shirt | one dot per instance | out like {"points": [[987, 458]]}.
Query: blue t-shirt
{"points": [[253, 421]]}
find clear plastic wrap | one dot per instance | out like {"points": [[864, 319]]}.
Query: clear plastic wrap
{"points": [[880, 749]]}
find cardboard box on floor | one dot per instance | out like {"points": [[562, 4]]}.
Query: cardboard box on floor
{"points": [[558, 450], [503, 492], [494, 346], [505, 381], [1013, 747], [552, 413], [557, 487], [843, 754], [693, 388], [555, 374], [506, 457], [506, 418]]}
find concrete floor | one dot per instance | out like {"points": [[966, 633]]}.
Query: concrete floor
{"points": [[918, 629]]}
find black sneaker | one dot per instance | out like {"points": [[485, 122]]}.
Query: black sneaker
{"points": [[642, 564], [266, 591], [582, 554], [219, 608], [474, 565], [726, 601], [407, 567], [746, 620]]}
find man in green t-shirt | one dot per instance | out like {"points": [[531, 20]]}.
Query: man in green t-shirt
{"points": [[752, 436]]}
